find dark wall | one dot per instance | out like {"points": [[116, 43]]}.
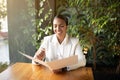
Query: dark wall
{"points": [[20, 31]]}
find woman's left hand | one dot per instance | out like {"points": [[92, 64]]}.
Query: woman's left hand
{"points": [[57, 71]]}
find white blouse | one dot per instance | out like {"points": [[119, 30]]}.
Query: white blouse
{"points": [[69, 47]]}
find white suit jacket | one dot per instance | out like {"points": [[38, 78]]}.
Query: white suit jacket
{"points": [[69, 47]]}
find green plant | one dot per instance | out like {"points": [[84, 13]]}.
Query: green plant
{"points": [[42, 22], [3, 8], [88, 20], [3, 66]]}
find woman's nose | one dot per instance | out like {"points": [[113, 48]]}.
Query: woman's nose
{"points": [[58, 28]]}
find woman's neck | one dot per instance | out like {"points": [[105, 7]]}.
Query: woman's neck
{"points": [[60, 39]]}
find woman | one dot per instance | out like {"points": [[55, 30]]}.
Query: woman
{"points": [[60, 45]]}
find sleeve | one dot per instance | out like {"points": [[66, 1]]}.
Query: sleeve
{"points": [[81, 58], [44, 43]]}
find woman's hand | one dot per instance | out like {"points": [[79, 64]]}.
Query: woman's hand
{"points": [[57, 71], [60, 70], [41, 54]]}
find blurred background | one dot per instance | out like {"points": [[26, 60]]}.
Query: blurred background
{"points": [[24, 23]]}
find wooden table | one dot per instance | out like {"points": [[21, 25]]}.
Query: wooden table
{"points": [[27, 71]]}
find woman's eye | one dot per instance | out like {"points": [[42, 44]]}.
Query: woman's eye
{"points": [[54, 26], [61, 25]]}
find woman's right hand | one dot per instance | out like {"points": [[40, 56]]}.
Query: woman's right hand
{"points": [[40, 54]]}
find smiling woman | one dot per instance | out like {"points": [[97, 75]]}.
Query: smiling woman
{"points": [[60, 45]]}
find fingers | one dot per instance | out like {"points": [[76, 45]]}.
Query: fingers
{"points": [[60, 70], [41, 54], [42, 49], [57, 71]]}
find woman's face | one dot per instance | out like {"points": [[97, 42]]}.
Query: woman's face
{"points": [[59, 27]]}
